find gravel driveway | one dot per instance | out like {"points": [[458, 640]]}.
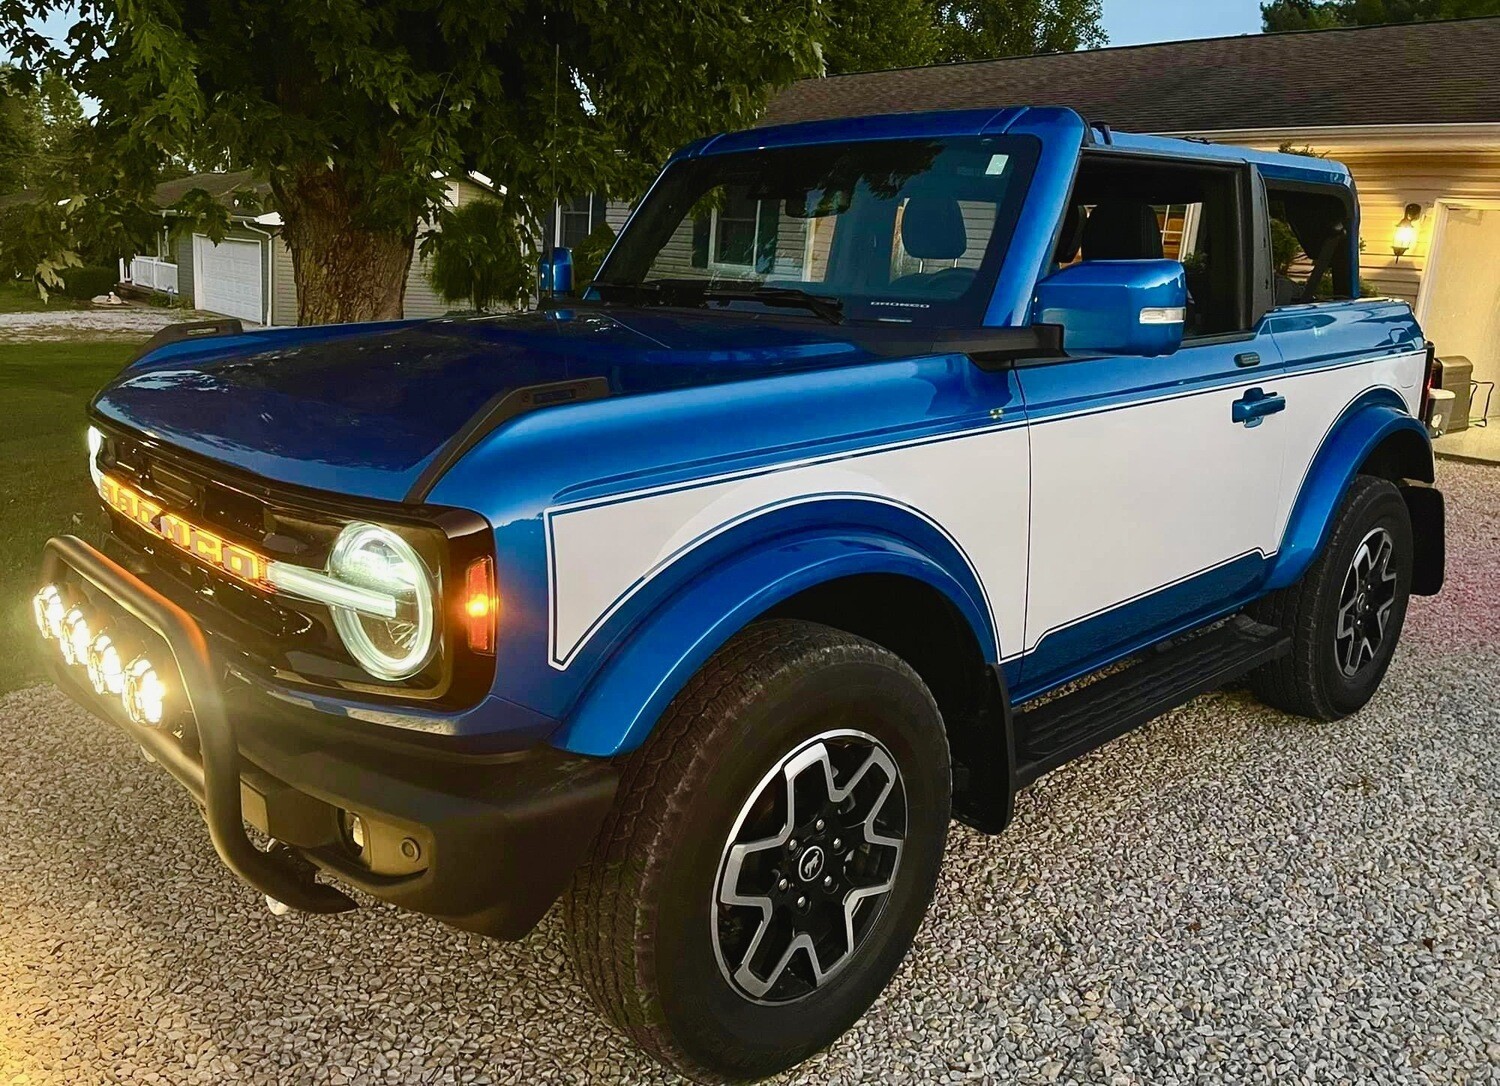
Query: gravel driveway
{"points": [[1229, 895]]}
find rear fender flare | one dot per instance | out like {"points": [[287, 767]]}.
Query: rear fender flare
{"points": [[1365, 425], [651, 658]]}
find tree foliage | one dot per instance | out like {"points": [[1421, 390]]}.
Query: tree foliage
{"points": [[871, 35], [1327, 14], [477, 257], [980, 29], [354, 111], [591, 252], [41, 128]]}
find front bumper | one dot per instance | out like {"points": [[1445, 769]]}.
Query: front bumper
{"points": [[483, 842]]}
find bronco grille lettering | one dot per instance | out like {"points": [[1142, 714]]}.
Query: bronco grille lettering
{"points": [[241, 563]]}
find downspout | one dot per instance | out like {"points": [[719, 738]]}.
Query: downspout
{"points": [[270, 271]]}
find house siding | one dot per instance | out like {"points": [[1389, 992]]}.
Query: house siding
{"points": [[182, 249], [615, 214], [1387, 183], [283, 284]]}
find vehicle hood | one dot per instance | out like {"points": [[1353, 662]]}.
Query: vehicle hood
{"points": [[364, 415]]}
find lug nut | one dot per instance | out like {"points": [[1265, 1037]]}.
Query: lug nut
{"points": [[837, 844], [791, 846], [818, 825], [782, 885], [802, 903], [828, 882]]}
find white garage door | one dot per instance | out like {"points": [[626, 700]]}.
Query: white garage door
{"points": [[227, 278]]}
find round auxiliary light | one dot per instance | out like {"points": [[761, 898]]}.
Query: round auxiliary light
{"points": [[144, 695], [42, 606], [74, 640], [49, 611], [106, 670], [378, 559]]}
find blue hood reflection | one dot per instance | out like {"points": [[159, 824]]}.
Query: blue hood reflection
{"points": [[363, 415]]}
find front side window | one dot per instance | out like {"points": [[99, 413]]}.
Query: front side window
{"points": [[894, 230], [1127, 208]]}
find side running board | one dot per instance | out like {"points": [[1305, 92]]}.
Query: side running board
{"points": [[1062, 729]]}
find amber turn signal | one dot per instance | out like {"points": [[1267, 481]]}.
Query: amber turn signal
{"points": [[481, 605]]}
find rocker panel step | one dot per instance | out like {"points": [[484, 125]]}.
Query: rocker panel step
{"points": [[1074, 724]]}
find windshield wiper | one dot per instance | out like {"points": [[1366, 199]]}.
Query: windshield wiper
{"points": [[830, 309], [698, 292]]}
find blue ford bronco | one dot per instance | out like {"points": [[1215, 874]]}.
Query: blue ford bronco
{"points": [[704, 600]]}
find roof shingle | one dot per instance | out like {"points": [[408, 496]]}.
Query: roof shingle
{"points": [[1414, 73], [223, 187]]}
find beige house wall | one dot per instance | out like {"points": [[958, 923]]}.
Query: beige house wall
{"points": [[1388, 176], [1387, 183]]}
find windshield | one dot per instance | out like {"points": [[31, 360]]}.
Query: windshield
{"points": [[893, 230]]}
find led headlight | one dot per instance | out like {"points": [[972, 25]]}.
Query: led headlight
{"points": [[95, 443], [374, 558]]}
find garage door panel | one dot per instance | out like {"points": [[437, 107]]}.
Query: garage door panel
{"points": [[227, 277]]}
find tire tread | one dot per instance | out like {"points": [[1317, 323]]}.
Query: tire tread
{"points": [[1291, 683], [607, 911]]}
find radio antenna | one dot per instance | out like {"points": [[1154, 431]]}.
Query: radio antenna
{"points": [[556, 215]]}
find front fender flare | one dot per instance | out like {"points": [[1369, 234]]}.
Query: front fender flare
{"points": [[1363, 427], [637, 681]]}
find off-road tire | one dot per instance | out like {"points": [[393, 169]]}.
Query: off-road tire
{"points": [[1309, 681], [642, 913]]}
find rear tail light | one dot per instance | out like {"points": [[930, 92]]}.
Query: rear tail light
{"points": [[1429, 379], [481, 605]]}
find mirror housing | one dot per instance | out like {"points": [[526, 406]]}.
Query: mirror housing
{"points": [[555, 274], [1118, 307]]}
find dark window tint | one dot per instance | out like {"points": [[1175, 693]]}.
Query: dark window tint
{"points": [[1310, 245]]}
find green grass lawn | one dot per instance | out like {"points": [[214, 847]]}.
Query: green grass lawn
{"points": [[23, 298], [44, 388]]}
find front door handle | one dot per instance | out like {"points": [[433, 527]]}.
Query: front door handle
{"points": [[1255, 405]]}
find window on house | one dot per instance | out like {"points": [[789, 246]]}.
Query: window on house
{"points": [[734, 231], [575, 219], [1136, 209], [1311, 252]]}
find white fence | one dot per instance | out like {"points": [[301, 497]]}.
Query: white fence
{"points": [[153, 274]]}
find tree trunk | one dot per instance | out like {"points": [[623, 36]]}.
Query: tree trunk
{"points": [[345, 270]]}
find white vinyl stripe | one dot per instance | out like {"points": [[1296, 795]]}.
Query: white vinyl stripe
{"points": [[601, 551]]}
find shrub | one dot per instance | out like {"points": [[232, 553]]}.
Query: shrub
{"points": [[88, 281], [478, 255], [590, 254]]}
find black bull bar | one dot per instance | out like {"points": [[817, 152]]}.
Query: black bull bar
{"points": [[214, 781]]}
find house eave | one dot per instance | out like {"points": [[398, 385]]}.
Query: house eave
{"points": [[1452, 138]]}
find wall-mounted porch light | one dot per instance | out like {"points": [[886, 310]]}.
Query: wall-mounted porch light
{"points": [[1406, 231]]}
